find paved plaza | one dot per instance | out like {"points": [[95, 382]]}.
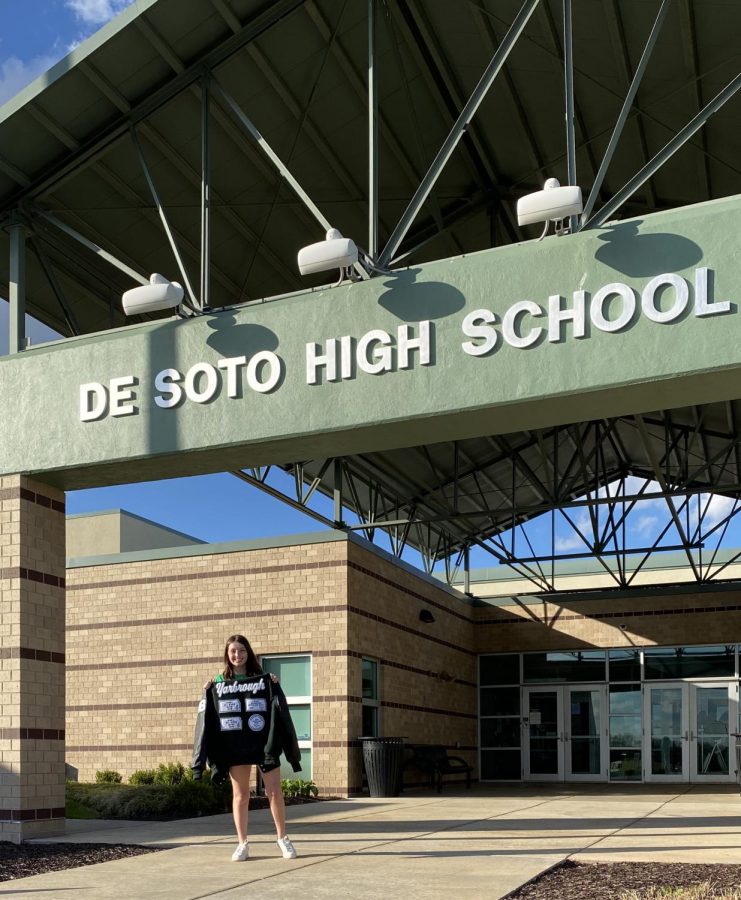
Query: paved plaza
{"points": [[481, 843]]}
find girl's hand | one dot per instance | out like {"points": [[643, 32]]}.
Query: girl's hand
{"points": [[274, 678], [208, 684]]}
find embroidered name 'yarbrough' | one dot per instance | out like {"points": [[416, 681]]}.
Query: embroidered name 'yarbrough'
{"points": [[237, 687]]}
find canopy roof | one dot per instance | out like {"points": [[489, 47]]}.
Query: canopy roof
{"points": [[91, 149], [298, 70]]}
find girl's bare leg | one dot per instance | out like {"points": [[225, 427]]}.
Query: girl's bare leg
{"points": [[240, 776], [271, 780]]}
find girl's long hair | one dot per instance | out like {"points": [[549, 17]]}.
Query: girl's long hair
{"points": [[252, 666]]}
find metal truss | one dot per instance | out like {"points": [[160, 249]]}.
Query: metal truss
{"points": [[410, 23], [618, 491]]}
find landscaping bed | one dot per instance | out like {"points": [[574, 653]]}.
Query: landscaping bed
{"points": [[22, 860], [634, 881]]}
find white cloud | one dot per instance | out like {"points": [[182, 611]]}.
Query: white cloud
{"points": [[96, 12], [573, 541], [570, 543], [15, 74], [645, 524], [716, 508]]}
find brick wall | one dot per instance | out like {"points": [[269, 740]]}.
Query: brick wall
{"points": [[31, 659], [144, 636], [652, 618], [427, 670]]}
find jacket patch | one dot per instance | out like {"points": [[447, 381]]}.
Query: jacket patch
{"points": [[202, 706], [256, 723], [229, 706], [256, 704], [233, 723]]}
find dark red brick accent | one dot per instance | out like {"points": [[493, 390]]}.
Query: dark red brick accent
{"points": [[336, 743], [33, 497], [408, 591], [415, 631], [98, 748], [212, 573], [210, 617], [336, 698], [31, 653], [30, 815], [31, 734], [111, 707], [387, 704], [32, 575], [625, 614]]}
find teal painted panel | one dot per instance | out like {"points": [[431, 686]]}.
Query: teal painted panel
{"points": [[642, 345]]}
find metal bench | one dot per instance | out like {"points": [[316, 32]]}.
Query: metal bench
{"points": [[433, 760]]}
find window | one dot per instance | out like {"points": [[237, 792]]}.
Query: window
{"points": [[564, 665], [295, 679], [626, 735], [690, 662], [499, 717], [371, 702]]}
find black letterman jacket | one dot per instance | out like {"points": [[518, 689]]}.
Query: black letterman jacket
{"points": [[228, 733]]}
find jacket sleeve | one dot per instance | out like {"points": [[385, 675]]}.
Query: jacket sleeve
{"points": [[200, 738], [282, 737]]}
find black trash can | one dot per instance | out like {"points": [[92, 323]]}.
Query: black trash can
{"points": [[382, 757]]}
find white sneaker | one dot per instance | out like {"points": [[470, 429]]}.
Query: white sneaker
{"points": [[287, 848], [242, 852]]}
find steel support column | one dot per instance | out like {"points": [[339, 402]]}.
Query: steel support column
{"points": [[568, 66], [163, 219], [457, 131], [662, 156], [17, 288], [372, 134], [625, 111], [205, 194]]}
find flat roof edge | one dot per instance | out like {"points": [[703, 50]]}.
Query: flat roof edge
{"points": [[292, 540]]}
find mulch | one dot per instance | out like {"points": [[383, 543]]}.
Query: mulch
{"points": [[22, 860], [606, 881]]}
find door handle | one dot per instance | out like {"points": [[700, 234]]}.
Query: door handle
{"points": [[685, 736]]}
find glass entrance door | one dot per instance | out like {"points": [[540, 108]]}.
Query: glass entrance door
{"points": [[688, 732], [712, 755], [666, 726], [565, 733], [585, 749], [543, 726]]}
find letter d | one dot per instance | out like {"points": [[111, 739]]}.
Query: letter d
{"points": [[93, 401]]}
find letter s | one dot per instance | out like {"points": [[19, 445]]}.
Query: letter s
{"points": [[479, 324], [166, 383]]}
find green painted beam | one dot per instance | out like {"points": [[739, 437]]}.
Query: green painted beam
{"points": [[538, 373]]}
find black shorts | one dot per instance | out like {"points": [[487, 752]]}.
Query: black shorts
{"points": [[265, 769]]}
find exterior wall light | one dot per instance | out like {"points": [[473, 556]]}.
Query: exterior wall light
{"points": [[336, 252], [158, 295], [551, 204], [426, 616]]}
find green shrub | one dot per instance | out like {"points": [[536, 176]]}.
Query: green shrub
{"points": [[143, 776], [169, 773], [298, 787], [148, 801], [108, 776]]}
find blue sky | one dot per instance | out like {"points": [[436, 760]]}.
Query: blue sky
{"points": [[34, 34]]}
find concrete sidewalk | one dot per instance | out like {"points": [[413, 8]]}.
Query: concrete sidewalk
{"points": [[481, 843]]}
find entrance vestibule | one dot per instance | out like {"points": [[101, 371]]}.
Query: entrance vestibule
{"points": [[656, 714]]}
